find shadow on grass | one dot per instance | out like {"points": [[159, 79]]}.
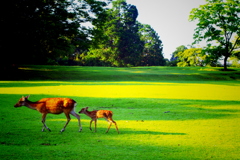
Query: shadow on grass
{"points": [[138, 109], [67, 73], [163, 109]]}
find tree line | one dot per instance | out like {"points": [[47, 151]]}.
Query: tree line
{"points": [[107, 33], [123, 41], [86, 32]]}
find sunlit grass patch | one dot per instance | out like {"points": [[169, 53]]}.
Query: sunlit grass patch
{"points": [[217, 138], [220, 133], [151, 90]]}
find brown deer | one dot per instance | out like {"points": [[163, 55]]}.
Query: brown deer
{"points": [[94, 115], [52, 105]]}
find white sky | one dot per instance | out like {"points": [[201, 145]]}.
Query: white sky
{"points": [[169, 18]]}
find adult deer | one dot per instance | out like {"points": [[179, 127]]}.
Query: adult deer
{"points": [[94, 115], [52, 105]]}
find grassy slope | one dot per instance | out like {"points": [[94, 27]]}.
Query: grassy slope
{"points": [[173, 74], [162, 113]]}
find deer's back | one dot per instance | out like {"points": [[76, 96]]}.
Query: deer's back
{"points": [[104, 113], [56, 105]]}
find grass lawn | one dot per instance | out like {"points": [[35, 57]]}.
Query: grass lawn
{"points": [[161, 112]]}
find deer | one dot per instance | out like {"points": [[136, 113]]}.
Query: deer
{"points": [[94, 115], [53, 106]]}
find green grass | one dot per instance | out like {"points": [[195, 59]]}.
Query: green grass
{"points": [[161, 112], [65, 73]]}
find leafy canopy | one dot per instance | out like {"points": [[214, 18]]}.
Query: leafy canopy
{"points": [[218, 21], [36, 31], [122, 41], [190, 57], [152, 50]]}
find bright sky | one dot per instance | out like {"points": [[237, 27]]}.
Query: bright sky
{"points": [[169, 18]]}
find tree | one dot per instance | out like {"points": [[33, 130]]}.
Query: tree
{"points": [[116, 42], [213, 54], [174, 59], [152, 51], [190, 57], [36, 31], [218, 20]]}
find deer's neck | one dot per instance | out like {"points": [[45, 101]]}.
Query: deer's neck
{"points": [[90, 114], [32, 105]]}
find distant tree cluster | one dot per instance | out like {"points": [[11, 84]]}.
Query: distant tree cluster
{"points": [[56, 31], [123, 41], [184, 57]]}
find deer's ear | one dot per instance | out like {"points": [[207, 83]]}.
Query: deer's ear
{"points": [[86, 108], [23, 98], [27, 96]]}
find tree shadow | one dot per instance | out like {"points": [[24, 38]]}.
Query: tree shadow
{"points": [[135, 108], [65, 73]]}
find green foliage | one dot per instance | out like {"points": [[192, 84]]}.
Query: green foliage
{"points": [[152, 51], [36, 31], [116, 41], [213, 54], [191, 57], [174, 59], [48, 32], [97, 57], [235, 62], [122, 41], [218, 20]]}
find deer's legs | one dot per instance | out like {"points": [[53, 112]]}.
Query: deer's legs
{"points": [[43, 121], [116, 126], [95, 125], [110, 121], [91, 125], [68, 120], [109, 126], [78, 117]]}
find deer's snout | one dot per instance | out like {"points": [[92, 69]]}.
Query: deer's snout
{"points": [[81, 111], [16, 105]]}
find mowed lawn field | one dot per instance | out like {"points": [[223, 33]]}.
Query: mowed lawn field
{"points": [[162, 113]]}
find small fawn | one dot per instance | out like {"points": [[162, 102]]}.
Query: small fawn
{"points": [[94, 115], [52, 105]]}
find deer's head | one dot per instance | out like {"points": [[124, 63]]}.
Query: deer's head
{"points": [[22, 101], [83, 110]]}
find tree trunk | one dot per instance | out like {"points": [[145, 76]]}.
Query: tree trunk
{"points": [[225, 63]]}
